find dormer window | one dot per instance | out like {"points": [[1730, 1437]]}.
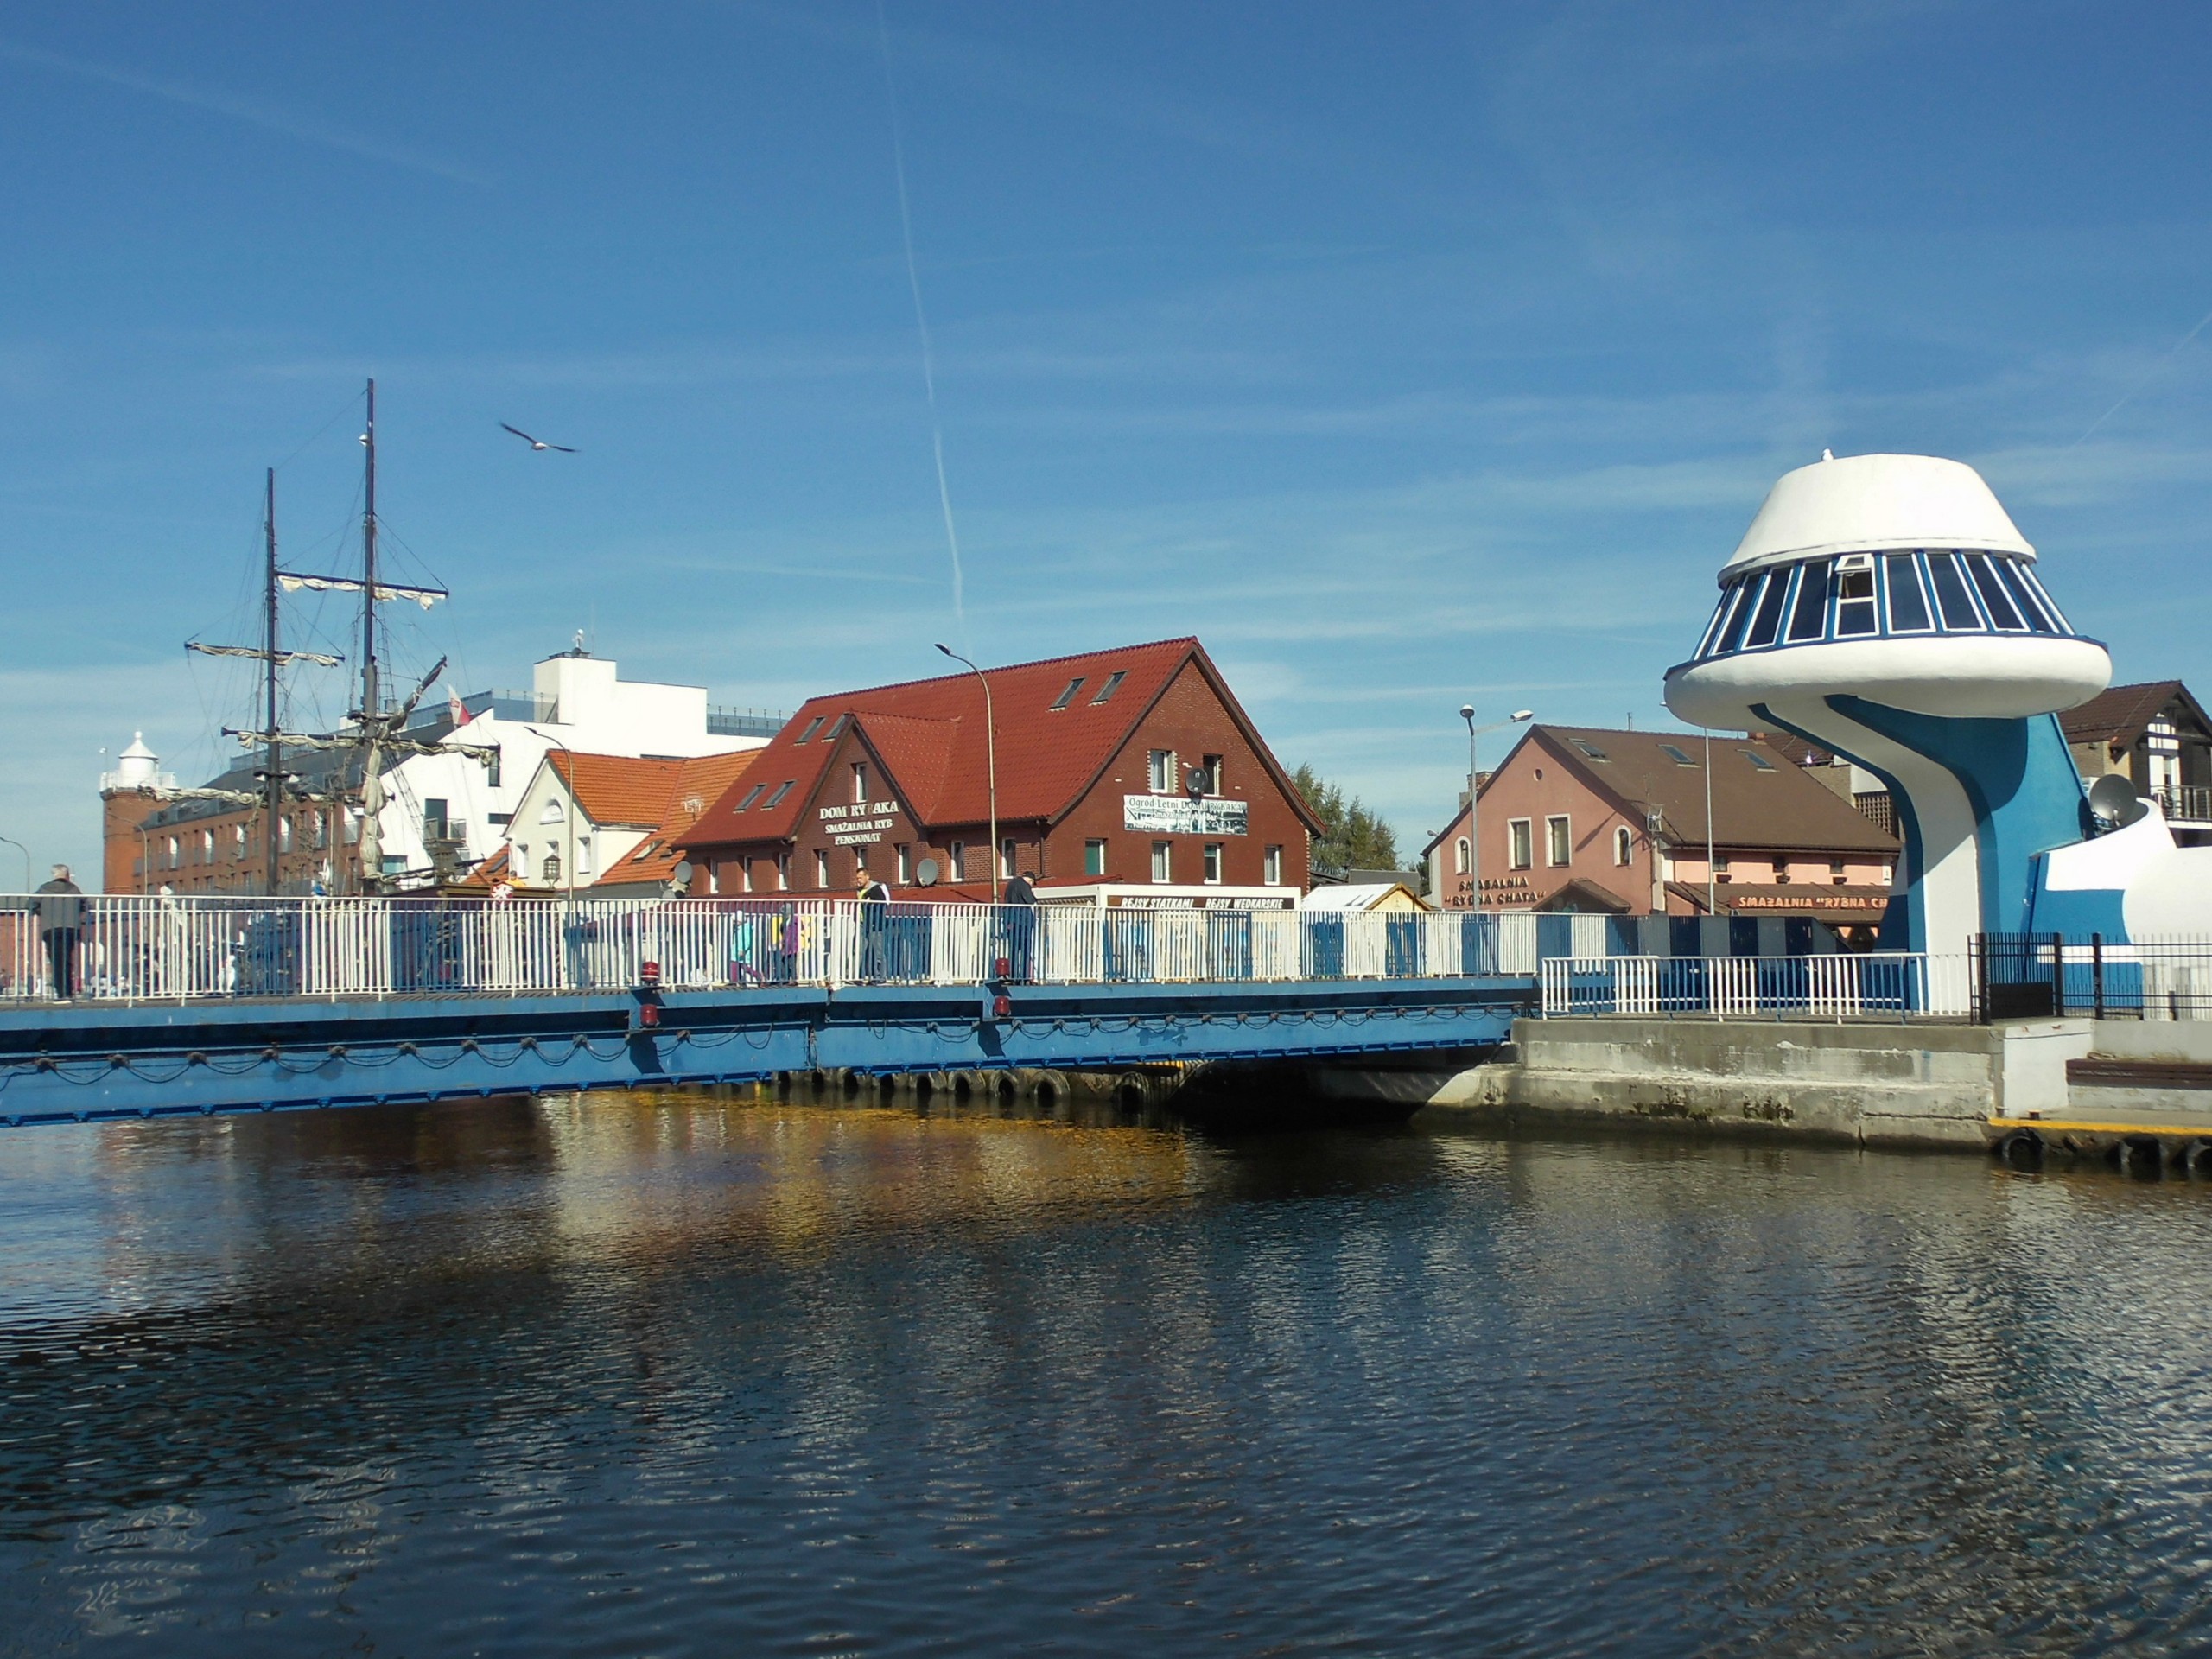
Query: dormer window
{"points": [[1113, 684], [1068, 697]]}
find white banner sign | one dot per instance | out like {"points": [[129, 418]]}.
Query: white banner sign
{"points": [[1177, 815]]}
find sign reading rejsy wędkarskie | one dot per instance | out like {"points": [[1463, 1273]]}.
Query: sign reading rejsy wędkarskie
{"points": [[1178, 815]]}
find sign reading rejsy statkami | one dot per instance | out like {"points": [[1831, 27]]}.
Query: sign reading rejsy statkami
{"points": [[1177, 815]]}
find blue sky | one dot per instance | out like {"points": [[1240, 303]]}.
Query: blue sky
{"points": [[1407, 355]]}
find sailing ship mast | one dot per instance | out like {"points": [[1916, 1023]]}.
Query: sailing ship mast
{"points": [[273, 658], [377, 730]]}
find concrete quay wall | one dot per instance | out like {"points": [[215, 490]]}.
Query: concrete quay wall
{"points": [[1869, 1084]]}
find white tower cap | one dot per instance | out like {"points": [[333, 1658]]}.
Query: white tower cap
{"points": [[136, 765], [1865, 504]]}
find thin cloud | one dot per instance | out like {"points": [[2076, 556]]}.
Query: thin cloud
{"points": [[239, 109]]}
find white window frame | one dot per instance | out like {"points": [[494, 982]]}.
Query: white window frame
{"points": [[859, 783], [905, 864], [1463, 856], [956, 855], [822, 869], [1559, 830], [1210, 861], [1160, 772], [1006, 858], [1520, 843], [1271, 867], [782, 872], [1623, 847], [1163, 861], [1094, 857]]}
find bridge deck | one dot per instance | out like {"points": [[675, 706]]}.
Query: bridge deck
{"points": [[86, 1061]]}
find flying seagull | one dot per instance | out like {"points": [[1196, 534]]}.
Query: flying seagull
{"points": [[537, 443]]}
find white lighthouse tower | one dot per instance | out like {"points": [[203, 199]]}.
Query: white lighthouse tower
{"points": [[1887, 608]]}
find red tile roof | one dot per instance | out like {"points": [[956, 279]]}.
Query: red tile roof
{"points": [[929, 735], [696, 786]]}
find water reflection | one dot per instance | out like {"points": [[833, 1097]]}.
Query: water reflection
{"points": [[680, 1375]]}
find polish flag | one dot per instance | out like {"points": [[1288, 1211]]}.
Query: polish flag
{"points": [[455, 708]]}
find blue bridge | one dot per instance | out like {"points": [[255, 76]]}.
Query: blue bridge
{"points": [[215, 1005], [190, 1006]]}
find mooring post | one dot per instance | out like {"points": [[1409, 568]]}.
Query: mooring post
{"points": [[2097, 972]]}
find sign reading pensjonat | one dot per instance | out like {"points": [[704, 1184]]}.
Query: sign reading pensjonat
{"points": [[1177, 815]]}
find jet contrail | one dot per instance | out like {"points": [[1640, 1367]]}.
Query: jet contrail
{"points": [[922, 323]]}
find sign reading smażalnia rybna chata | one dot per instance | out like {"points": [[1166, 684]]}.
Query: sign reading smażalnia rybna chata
{"points": [[1177, 815]]}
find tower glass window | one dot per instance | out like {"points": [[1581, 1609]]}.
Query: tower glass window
{"points": [[1952, 600], [1854, 595], [1768, 620], [1732, 635], [1809, 618], [1907, 605], [1994, 600]]}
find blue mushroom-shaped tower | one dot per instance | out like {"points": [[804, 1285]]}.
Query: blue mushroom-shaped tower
{"points": [[1887, 608]]}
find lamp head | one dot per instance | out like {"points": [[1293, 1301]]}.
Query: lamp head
{"points": [[1466, 711], [1524, 713], [947, 650]]}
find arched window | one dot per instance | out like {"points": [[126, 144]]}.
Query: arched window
{"points": [[284, 835], [1461, 857], [174, 856], [207, 846], [1624, 846], [551, 867]]}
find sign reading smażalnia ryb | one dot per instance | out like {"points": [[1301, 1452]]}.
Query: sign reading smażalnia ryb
{"points": [[1177, 815]]}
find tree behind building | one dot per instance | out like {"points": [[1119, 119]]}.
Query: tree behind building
{"points": [[1353, 838]]}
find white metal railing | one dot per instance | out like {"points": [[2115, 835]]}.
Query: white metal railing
{"points": [[1887, 984], [129, 948]]}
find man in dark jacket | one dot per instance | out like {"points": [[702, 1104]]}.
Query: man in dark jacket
{"points": [[60, 913], [875, 924], [1018, 921]]}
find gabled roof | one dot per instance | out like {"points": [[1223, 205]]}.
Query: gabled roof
{"points": [[1364, 895], [930, 737], [2120, 713], [698, 785], [616, 789], [1761, 799]]}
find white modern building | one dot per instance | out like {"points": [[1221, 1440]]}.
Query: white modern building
{"points": [[443, 812]]}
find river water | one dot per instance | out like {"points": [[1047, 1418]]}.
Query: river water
{"points": [[677, 1376]]}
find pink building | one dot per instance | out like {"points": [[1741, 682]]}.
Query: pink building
{"points": [[1615, 822]]}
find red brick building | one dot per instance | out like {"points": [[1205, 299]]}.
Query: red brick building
{"points": [[1130, 766], [1581, 819]]}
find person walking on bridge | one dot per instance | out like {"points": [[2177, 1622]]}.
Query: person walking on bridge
{"points": [[60, 913], [1018, 918]]}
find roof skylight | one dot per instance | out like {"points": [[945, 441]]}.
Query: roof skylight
{"points": [[1679, 759], [1113, 684], [1587, 748], [782, 790], [1068, 695], [813, 726], [751, 796]]}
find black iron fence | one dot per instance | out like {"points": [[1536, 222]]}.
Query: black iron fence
{"points": [[2044, 975]]}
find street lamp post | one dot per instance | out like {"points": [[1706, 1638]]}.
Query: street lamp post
{"points": [[991, 755], [9, 841], [1474, 839]]}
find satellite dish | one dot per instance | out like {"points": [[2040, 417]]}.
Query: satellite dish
{"points": [[2113, 802], [1195, 780], [682, 874], [925, 873]]}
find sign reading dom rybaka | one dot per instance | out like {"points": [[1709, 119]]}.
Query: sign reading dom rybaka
{"points": [[1178, 815], [861, 824]]}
